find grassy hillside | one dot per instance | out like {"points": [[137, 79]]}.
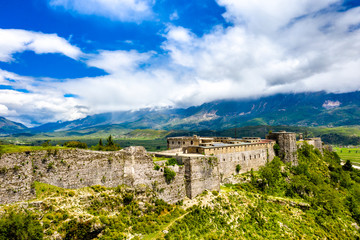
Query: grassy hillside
{"points": [[318, 199]]}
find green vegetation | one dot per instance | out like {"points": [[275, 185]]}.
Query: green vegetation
{"points": [[238, 168], [352, 154], [15, 148], [317, 199], [169, 174], [109, 146], [75, 144], [15, 224]]}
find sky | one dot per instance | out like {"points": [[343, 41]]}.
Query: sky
{"points": [[62, 60]]}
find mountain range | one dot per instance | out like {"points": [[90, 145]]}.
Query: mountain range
{"points": [[296, 109]]}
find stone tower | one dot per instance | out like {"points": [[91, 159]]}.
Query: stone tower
{"points": [[287, 144]]}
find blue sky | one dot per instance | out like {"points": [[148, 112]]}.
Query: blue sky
{"points": [[65, 59]]}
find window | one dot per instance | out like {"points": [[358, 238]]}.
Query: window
{"points": [[191, 142]]}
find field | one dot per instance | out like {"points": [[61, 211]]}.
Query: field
{"points": [[15, 148], [352, 154]]}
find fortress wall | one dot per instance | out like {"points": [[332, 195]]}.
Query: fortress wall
{"points": [[15, 178], [316, 142], [248, 160], [201, 173], [234, 148], [173, 192], [80, 168]]}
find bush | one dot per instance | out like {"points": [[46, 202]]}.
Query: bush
{"points": [[77, 230], [109, 146], [276, 149], [238, 168], [171, 162], [20, 225], [75, 144], [50, 166], [347, 166], [169, 174], [156, 167], [128, 198]]}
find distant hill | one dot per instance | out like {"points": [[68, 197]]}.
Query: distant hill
{"points": [[8, 127], [301, 109]]}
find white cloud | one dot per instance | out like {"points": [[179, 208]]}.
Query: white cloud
{"points": [[17, 40], [123, 10], [117, 61], [271, 47], [262, 16], [44, 102], [174, 16]]}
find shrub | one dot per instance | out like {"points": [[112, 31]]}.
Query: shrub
{"points": [[128, 198], [50, 166], [238, 168], [156, 167], [20, 225], [75, 144], [77, 230], [3, 170], [171, 162], [347, 166], [169, 174], [16, 168], [98, 188], [276, 149]]}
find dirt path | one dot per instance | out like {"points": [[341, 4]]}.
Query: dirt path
{"points": [[161, 232]]}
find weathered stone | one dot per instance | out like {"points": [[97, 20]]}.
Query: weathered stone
{"points": [[74, 168], [287, 144]]}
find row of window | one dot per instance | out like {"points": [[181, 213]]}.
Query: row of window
{"points": [[191, 143], [244, 157]]}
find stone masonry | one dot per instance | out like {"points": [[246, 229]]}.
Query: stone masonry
{"points": [[287, 144]]}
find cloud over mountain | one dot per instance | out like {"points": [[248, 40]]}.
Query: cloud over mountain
{"points": [[261, 48]]}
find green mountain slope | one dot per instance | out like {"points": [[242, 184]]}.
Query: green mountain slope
{"points": [[301, 109], [7, 126]]}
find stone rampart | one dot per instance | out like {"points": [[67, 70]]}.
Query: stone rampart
{"points": [[201, 173], [247, 160], [80, 168]]}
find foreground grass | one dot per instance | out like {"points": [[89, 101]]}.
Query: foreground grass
{"points": [[235, 213]]}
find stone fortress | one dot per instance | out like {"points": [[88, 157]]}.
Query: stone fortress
{"points": [[204, 164]]}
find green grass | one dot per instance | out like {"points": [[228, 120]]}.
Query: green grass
{"points": [[352, 154], [16, 148], [157, 159]]}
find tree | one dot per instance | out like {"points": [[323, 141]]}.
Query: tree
{"points": [[110, 142], [347, 166], [100, 143]]}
